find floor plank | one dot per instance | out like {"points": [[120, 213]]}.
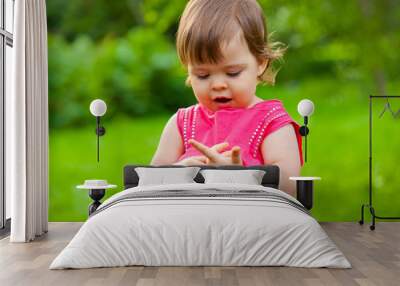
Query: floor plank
{"points": [[374, 255]]}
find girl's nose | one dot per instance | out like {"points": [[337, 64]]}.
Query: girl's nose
{"points": [[219, 84]]}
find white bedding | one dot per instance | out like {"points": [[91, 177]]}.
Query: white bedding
{"points": [[182, 231]]}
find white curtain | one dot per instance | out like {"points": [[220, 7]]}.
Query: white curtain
{"points": [[27, 124]]}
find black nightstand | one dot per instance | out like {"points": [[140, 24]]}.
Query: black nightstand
{"points": [[305, 190], [97, 190]]}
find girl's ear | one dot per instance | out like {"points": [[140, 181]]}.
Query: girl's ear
{"points": [[188, 82], [262, 66]]}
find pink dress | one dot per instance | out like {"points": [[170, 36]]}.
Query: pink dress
{"points": [[244, 127]]}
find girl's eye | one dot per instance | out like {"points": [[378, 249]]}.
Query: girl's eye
{"points": [[233, 74], [202, 76]]}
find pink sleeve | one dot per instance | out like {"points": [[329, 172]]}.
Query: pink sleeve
{"points": [[282, 118]]}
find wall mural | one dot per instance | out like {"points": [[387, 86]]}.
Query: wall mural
{"points": [[129, 59]]}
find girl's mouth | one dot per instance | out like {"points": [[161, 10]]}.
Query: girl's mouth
{"points": [[222, 100]]}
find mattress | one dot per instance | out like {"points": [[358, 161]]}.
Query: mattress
{"points": [[201, 225]]}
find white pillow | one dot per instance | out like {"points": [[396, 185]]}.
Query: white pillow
{"points": [[163, 176], [248, 177]]}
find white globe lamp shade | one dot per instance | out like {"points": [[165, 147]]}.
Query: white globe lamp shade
{"points": [[305, 107], [98, 107]]}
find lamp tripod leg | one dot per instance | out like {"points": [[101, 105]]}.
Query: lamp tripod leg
{"points": [[361, 222], [372, 210]]}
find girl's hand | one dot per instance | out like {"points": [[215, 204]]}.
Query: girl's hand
{"points": [[194, 160], [213, 155], [202, 160]]}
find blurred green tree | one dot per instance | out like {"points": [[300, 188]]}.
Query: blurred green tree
{"points": [[138, 74], [124, 51], [94, 18]]}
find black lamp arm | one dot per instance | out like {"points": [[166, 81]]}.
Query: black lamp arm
{"points": [[304, 129], [100, 131], [304, 132]]}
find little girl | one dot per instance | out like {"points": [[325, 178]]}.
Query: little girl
{"points": [[223, 44]]}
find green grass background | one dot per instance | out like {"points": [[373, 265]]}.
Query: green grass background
{"points": [[338, 152]]}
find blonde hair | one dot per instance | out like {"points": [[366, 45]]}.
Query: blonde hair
{"points": [[206, 24]]}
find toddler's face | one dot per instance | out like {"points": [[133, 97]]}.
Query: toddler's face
{"points": [[230, 83]]}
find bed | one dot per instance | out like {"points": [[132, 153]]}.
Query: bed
{"points": [[201, 224]]}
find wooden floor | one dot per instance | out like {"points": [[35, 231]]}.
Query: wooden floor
{"points": [[374, 255]]}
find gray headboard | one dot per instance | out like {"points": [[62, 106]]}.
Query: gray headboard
{"points": [[271, 177]]}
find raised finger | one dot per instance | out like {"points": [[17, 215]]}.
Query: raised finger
{"points": [[208, 152], [227, 153], [220, 146], [236, 156]]}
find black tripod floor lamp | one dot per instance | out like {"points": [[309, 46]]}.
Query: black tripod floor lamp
{"points": [[395, 115]]}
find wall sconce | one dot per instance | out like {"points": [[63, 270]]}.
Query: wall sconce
{"points": [[305, 109], [98, 108]]}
